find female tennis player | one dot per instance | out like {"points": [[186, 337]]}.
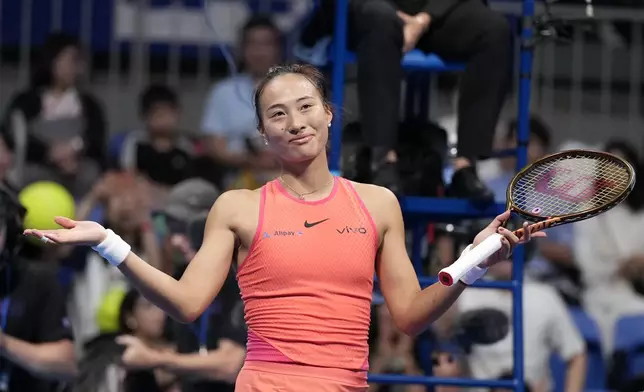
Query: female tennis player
{"points": [[306, 246]]}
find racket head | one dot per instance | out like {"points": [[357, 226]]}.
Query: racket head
{"points": [[570, 186]]}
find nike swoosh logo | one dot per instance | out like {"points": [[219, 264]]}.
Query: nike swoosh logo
{"points": [[309, 225]]}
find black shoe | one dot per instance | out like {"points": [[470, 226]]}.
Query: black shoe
{"points": [[386, 175], [466, 184]]}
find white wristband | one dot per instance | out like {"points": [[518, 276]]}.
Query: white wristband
{"points": [[475, 273], [113, 248]]}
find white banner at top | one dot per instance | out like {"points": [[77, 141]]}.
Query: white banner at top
{"points": [[177, 23]]}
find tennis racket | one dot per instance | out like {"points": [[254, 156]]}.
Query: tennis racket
{"points": [[561, 188]]}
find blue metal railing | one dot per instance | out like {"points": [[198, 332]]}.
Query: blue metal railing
{"points": [[337, 84], [419, 208]]}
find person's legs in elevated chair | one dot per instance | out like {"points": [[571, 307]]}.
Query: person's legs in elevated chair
{"points": [[376, 34], [461, 30], [480, 37]]}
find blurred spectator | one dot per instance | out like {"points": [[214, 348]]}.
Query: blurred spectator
{"points": [[538, 146], [142, 323], [548, 328], [447, 364], [481, 326], [551, 259], [6, 160], [35, 335], [380, 31], [105, 364], [184, 218], [229, 119], [58, 131], [211, 351], [610, 253], [393, 351], [124, 199], [159, 152]]}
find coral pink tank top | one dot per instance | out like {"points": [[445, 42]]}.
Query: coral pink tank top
{"points": [[308, 277]]}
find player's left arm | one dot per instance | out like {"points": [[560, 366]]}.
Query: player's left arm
{"points": [[412, 309], [53, 355]]}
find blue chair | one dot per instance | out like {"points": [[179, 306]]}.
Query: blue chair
{"points": [[596, 369], [429, 62], [414, 60], [629, 339]]}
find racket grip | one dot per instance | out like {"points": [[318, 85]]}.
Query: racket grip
{"points": [[537, 227], [448, 275]]}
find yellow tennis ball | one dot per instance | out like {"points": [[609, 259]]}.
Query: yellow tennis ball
{"points": [[44, 201], [107, 315]]}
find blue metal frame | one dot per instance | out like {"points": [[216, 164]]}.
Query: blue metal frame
{"points": [[337, 82], [418, 210]]}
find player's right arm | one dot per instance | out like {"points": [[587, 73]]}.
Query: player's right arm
{"points": [[184, 299], [188, 297]]}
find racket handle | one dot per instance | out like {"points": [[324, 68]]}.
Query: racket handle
{"points": [[537, 227], [448, 275]]}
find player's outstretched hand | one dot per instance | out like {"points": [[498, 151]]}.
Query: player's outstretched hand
{"points": [[72, 233], [509, 240]]}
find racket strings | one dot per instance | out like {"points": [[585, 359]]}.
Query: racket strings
{"points": [[570, 185]]}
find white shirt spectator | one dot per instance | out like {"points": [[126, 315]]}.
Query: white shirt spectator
{"points": [[230, 112], [602, 245], [547, 328]]}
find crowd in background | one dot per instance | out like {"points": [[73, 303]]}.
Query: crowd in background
{"points": [[154, 185]]}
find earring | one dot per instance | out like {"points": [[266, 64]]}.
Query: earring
{"points": [[329, 125], [265, 141]]}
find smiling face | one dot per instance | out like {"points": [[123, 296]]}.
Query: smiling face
{"points": [[294, 117]]}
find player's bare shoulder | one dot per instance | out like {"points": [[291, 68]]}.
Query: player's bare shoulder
{"points": [[237, 202], [238, 209], [370, 193], [380, 201]]}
